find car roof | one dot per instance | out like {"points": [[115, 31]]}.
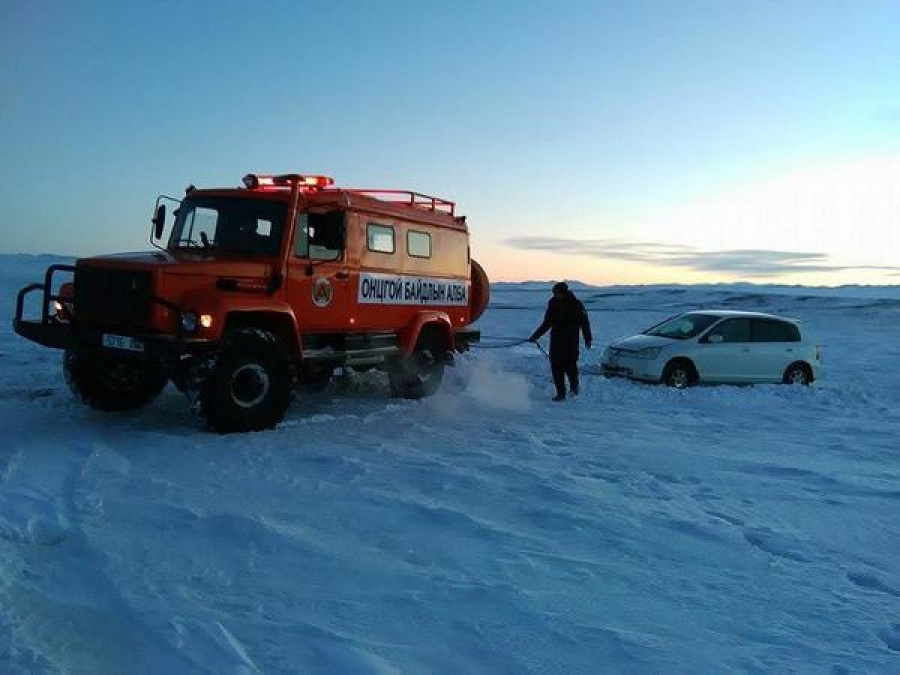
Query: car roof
{"points": [[740, 313]]}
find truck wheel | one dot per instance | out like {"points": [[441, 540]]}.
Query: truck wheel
{"points": [[247, 385], [420, 374], [109, 383]]}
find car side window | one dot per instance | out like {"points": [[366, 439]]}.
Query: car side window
{"points": [[733, 330], [769, 330]]}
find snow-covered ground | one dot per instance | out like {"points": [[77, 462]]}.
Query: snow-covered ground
{"points": [[485, 530]]}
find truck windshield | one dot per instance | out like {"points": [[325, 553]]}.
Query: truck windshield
{"points": [[233, 224]]}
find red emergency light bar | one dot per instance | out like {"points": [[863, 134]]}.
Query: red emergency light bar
{"points": [[254, 181]]}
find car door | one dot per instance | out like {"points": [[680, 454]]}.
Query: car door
{"points": [[723, 352], [775, 345]]}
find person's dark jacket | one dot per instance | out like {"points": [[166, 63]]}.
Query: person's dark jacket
{"points": [[564, 318]]}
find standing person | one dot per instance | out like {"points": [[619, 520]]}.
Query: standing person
{"points": [[564, 318]]}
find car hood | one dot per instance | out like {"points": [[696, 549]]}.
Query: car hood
{"points": [[635, 343]]}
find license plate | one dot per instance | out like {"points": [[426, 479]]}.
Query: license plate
{"points": [[122, 342]]}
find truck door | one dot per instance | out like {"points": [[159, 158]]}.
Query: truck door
{"points": [[318, 285]]}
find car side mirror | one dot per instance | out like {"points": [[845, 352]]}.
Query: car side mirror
{"points": [[159, 221], [715, 338]]}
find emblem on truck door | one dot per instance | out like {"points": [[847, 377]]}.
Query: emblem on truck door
{"points": [[322, 292]]}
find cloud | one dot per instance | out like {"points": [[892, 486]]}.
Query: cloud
{"points": [[746, 262]]}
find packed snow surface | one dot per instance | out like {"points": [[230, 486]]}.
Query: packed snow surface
{"points": [[484, 530]]}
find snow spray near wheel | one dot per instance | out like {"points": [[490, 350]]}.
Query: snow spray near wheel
{"points": [[489, 384]]}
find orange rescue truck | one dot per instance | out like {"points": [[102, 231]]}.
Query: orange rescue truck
{"points": [[259, 291]]}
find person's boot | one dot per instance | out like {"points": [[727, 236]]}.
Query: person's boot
{"points": [[559, 397]]}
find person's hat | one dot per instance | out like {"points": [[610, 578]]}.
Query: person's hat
{"points": [[560, 287]]}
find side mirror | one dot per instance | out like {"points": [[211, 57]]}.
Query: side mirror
{"points": [[159, 221], [715, 338]]}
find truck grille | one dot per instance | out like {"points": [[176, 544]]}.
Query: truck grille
{"points": [[112, 296]]}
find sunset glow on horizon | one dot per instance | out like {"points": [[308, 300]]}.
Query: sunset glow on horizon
{"points": [[825, 225]]}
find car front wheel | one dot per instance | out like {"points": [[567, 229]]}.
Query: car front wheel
{"points": [[679, 375]]}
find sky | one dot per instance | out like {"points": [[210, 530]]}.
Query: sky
{"points": [[630, 142]]}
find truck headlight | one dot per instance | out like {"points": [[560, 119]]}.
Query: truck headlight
{"points": [[189, 321]]}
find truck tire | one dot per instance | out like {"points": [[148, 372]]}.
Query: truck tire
{"points": [[420, 374], [106, 382], [247, 385]]}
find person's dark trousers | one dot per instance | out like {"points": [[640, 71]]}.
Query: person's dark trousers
{"points": [[561, 370]]}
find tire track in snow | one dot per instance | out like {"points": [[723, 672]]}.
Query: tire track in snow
{"points": [[56, 597]]}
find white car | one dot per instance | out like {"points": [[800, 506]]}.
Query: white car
{"points": [[716, 346]]}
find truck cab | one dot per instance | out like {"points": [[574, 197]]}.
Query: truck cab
{"points": [[254, 293]]}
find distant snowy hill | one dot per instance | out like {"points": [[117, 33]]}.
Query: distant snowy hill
{"points": [[635, 529]]}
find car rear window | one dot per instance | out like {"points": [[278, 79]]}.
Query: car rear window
{"points": [[770, 330]]}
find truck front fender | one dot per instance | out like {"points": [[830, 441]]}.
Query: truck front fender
{"points": [[240, 309]]}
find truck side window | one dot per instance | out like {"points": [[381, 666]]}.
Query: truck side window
{"points": [[380, 238], [319, 236], [418, 244]]}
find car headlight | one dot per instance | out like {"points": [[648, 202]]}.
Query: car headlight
{"points": [[648, 353], [189, 321]]}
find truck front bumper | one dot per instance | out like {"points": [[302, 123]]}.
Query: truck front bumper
{"points": [[62, 335], [49, 334], [52, 331]]}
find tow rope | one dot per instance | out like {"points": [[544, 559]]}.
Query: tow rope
{"points": [[507, 342]]}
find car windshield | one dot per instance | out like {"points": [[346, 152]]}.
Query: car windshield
{"points": [[246, 226], [683, 326]]}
